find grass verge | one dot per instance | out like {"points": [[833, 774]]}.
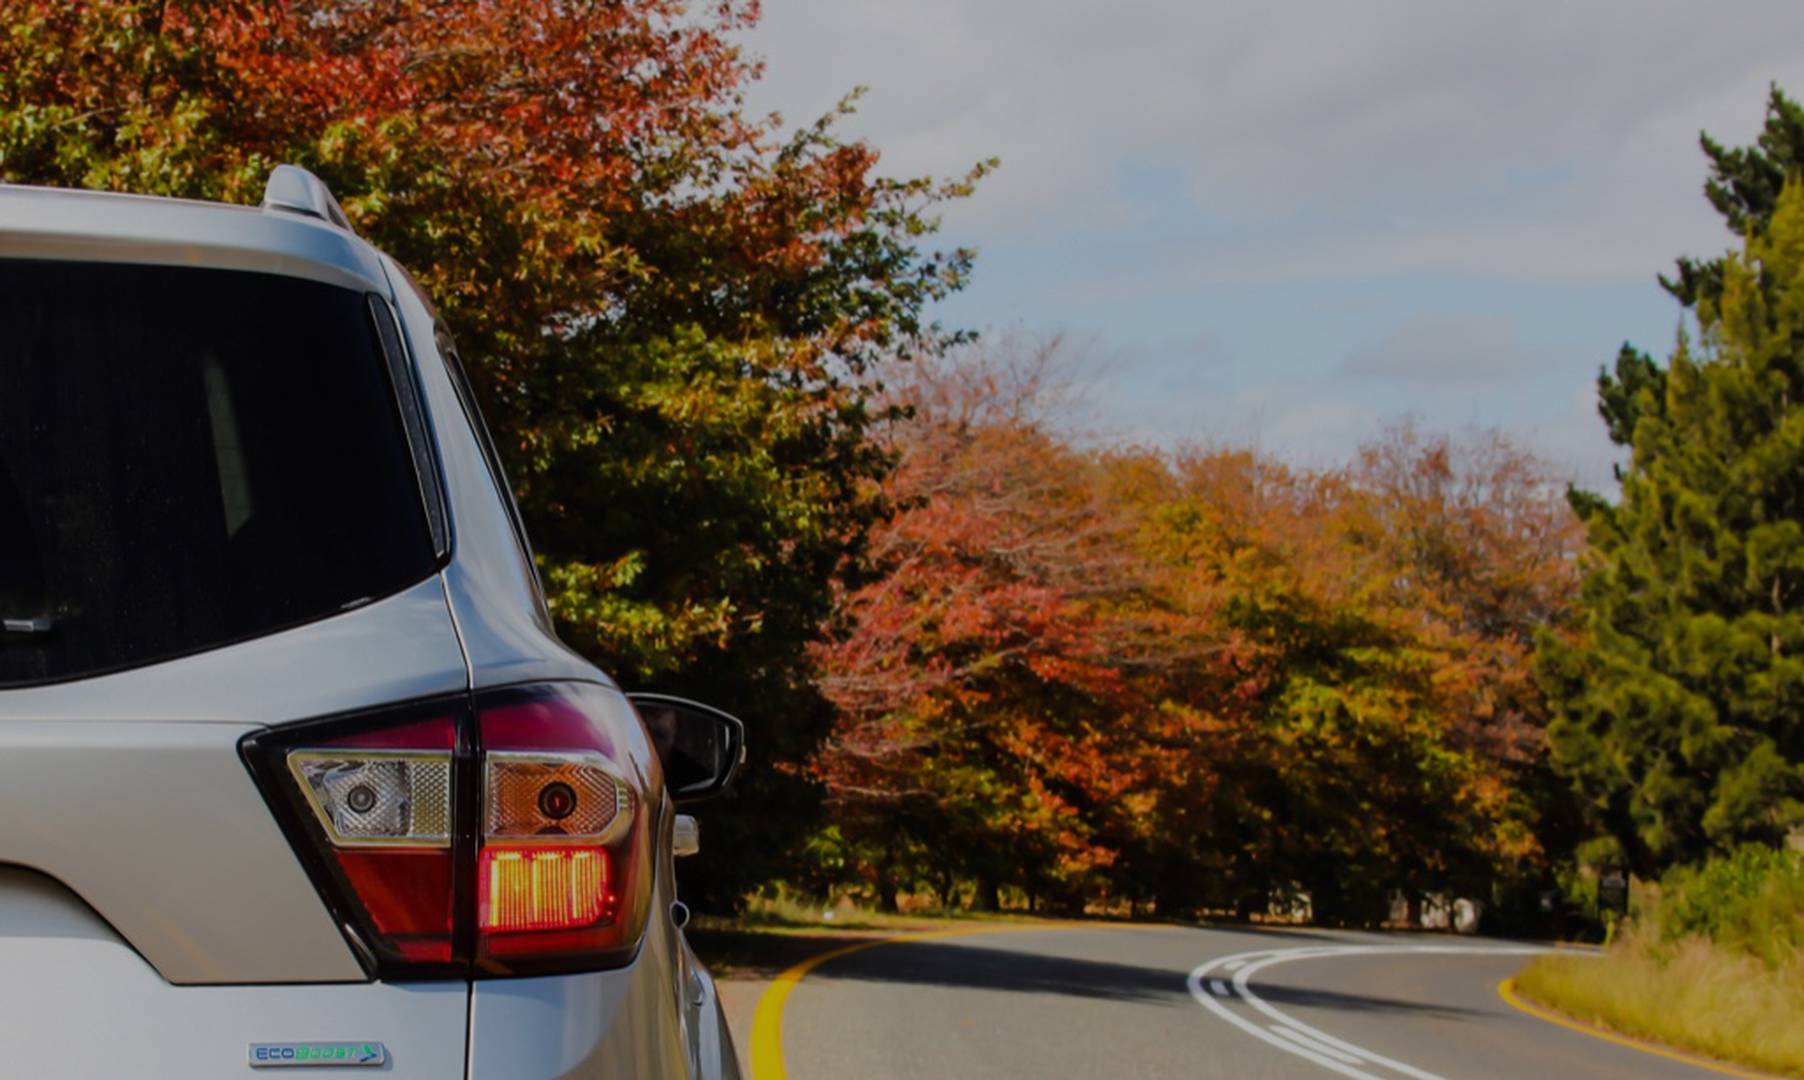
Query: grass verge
{"points": [[1689, 994]]}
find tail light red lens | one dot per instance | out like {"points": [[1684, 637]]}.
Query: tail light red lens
{"points": [[562, 866], [539, 888], [370, 804], [501, 835]]}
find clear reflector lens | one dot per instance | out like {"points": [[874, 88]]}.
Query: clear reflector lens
{"points": [[555, 888], [369, 797]]}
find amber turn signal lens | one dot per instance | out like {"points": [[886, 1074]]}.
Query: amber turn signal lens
{"points": [[537, 793]]}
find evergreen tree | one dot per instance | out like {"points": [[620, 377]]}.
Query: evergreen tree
{"points": [[1744, 187], [1680, 701]]}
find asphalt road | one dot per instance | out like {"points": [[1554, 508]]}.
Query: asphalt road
{"points": [[1096, 1002]]}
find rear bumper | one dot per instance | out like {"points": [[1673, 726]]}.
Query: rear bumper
{"points": [[594, 1025], [658, 1017], [77, 1002]]}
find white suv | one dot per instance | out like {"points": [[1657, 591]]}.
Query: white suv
{"points": [[294, 772]]}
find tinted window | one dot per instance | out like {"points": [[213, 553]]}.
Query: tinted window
{"points": [[187, 458]]}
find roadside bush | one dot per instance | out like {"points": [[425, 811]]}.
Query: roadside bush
{"points": [[1751, 902], [1711, 961]]}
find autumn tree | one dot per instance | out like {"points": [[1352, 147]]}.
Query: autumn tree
{"points": [[670, 308], [1200, 681], [1679, 706], [1374, 620], [980, 690], [1481, 545]]}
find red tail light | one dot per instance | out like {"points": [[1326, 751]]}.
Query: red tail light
{"points": [[506, 835], [562, 867], [539, 888]]}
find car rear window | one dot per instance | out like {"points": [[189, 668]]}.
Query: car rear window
{"points": [[189, 458]]}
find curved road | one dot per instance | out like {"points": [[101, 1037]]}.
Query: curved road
{"points": [[1118, 1001]]}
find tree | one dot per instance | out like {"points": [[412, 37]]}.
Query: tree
{"points": [[982, 690], [1195, 681], [1482, 546], [1390, 737], [671, 311], [1475, 534], [1744, 188], [1681, 703]]}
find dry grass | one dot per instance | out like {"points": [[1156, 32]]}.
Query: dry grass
{"points": [[1692, 995]]}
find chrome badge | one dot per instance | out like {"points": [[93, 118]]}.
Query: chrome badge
{"points": [[331, 1054]]}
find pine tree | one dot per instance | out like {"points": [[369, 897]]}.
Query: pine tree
{"points": [[1680, 701], [1744, 187]]}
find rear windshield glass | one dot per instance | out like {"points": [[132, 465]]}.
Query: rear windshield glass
{"points": [[189, 458]]}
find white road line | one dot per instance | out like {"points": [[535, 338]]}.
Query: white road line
{"points": [[1242, 983], [1196, 991], [1321, 1048], [1295, 1037], [1220, 988]]}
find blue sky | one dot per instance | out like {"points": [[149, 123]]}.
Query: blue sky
{"points": [[1286, 224]]}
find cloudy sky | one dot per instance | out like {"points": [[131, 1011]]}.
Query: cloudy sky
{"points": [[1285, 223]]}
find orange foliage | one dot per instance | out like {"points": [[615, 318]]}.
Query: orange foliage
{"points": [[1196, 680]]}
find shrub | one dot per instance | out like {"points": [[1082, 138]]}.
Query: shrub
{"points": [[1750, 902]]}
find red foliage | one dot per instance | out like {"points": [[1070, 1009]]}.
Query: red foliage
{"points": [[1193, 679]]}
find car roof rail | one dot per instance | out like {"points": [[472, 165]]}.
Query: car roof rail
{"points": [[297, 191]]}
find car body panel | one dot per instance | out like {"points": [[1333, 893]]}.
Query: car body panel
{"points": [[77, 1002], [46, 223], [159, 828], [603, 1023], [394, 649], [491, 584], [711, 1040], [136, 798]]}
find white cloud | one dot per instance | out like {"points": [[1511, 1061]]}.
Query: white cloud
{"points": [[1438, 347], [1323, 431], [1549, 141], [1307, 424], [1359, 178]]}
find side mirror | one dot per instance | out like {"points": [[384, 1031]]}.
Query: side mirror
{"points": [[700, 747]]}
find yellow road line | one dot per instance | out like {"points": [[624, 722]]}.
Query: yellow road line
{"points": [[1507, 991], [767, 1021]]}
